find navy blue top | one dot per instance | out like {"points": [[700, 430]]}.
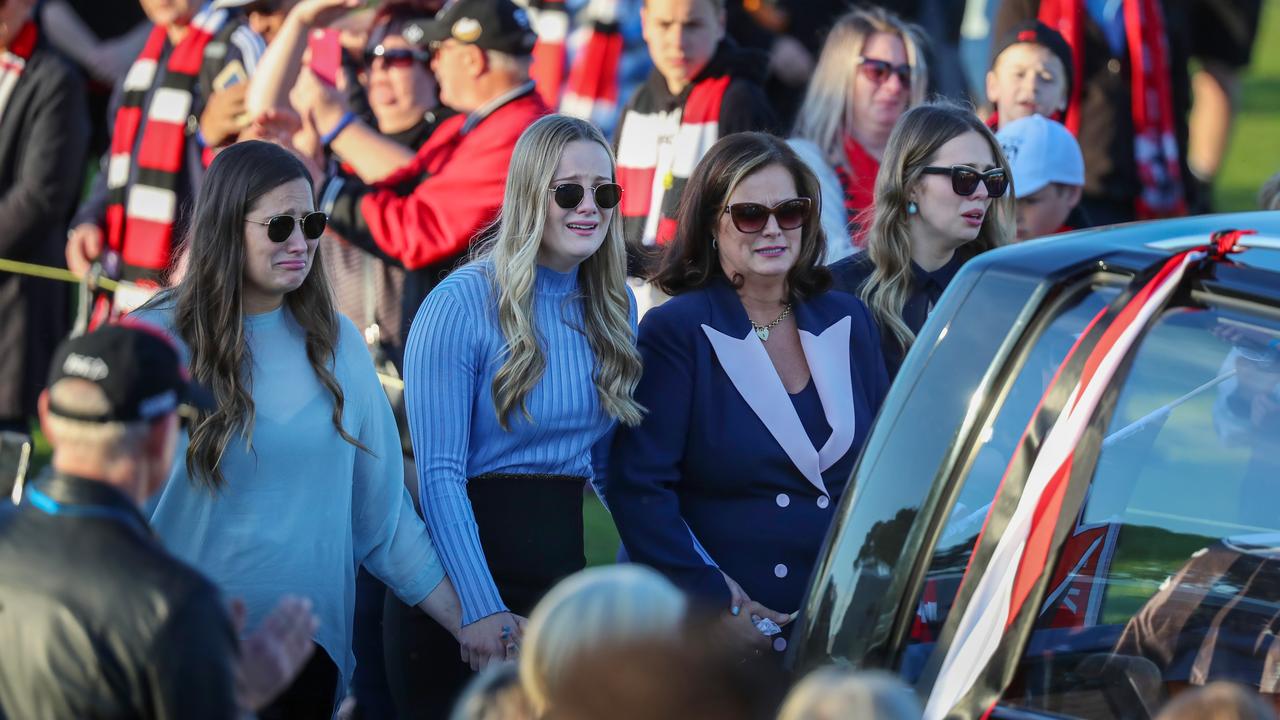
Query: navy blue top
{"points": [[724, 451]]}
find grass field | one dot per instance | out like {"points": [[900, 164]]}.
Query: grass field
{"points": [[1254, 154]]}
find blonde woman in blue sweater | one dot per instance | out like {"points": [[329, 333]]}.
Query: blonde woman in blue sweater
{"points": [[517, 367]]}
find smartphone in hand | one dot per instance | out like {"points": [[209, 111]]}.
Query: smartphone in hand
{"points": [[326, 55]]}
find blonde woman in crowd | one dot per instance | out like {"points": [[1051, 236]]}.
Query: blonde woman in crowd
{"points": [[593, 609], [833, 693], [942, 197], [517, 366], [872, 69]]}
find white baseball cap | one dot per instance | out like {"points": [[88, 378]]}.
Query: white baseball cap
{"points": [[1041, 151]]}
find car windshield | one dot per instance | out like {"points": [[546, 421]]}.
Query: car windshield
{"points": [[1171, 574]]}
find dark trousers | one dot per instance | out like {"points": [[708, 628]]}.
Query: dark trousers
{"points": [[531, 530], [313, 694]]}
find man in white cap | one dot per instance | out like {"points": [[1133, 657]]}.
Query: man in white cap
{"points": [[1048, 174]]}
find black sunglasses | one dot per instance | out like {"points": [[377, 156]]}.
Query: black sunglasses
{"points": [[569, 195], [280, 227], [878, 71], [395, 57], [750, 218], [964, 179]]}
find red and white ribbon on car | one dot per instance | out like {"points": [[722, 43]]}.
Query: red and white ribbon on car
{"points": [[1021, 555]]}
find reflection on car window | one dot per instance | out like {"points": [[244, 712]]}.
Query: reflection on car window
{"points": [[1171, 576]]}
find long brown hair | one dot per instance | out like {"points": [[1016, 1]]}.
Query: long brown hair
{"points": [[690, 261], [209, 313], [920, 132]]}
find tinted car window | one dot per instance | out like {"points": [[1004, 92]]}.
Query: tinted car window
{"points": [[1171, 576]]}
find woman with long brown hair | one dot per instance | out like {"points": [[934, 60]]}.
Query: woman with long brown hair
{"points": [[941, 198], [760, 386], [295, 479]]}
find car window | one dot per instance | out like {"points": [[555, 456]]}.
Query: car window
{"points": [[1171, 575]]}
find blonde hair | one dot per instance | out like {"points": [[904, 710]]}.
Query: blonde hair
{"points": [[606, 309], [493, 694], [592, 608], [1218, 700], [920, 132], [833, 693], [827, 111]]}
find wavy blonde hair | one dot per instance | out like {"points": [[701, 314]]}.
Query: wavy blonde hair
{"points": [[513, 251], [920, 132], [827, 111]]}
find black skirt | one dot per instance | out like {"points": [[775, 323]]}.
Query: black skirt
{"points": [[530, 528]]}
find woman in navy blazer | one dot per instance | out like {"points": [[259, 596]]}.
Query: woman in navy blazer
{"points": [[760, 386]]}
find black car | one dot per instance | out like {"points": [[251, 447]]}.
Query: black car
{"points": [[1069, 505]]}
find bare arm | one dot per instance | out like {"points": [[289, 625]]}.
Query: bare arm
{"points": [[370, 154], [279, 66]]}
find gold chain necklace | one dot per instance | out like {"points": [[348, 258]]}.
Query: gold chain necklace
{"points": [[762, 331]]}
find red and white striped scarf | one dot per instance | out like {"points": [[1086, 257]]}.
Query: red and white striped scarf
{"points": [[593, 78], [690, 132], [1000, 592], [13, 60], [550, 21], [140, 217], [1155, 143]]}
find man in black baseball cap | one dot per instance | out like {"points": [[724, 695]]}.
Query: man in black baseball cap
{"points": [[498, 25], [96, 619]]}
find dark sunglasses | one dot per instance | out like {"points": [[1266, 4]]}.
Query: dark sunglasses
{"points": [[964, 179], [280, 227], [395, 57], [569, 195], [751, 217], [878, 71]]}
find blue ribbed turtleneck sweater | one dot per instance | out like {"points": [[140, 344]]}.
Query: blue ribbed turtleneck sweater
{"points": [[455, 348]]}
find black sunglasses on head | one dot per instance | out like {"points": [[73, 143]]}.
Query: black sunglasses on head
{"points": [[878, 71], [751, 217], [965, 179], [569, 195], [395, 57], [280, 227]]}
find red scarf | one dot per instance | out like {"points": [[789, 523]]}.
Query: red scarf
{"points": [[858, 181], [593, 79], [1155, 142], [140, 215], [13, 60], [697, 130], [550, 21]]}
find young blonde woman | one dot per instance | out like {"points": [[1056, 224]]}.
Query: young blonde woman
{"points": [[872, 69], [942, 197], [517, 366]]}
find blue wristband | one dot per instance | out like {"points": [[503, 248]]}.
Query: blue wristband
{"points": [[329, 137]]}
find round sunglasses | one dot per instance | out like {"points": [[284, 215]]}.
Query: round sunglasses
{"points": [[280, 227], [965, 179], [878, 71], [569, 195], [750, 218]]}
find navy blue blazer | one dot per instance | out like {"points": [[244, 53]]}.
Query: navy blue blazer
{"points": [[723, 451]]}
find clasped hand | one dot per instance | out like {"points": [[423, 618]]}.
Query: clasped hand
{"points": [[489, 639]]}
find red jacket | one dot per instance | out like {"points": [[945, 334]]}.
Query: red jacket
{"points": [[462, 191]]}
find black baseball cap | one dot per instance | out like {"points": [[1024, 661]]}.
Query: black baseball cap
{"points": [[1037, 33], [138, 368], [498, 25]]}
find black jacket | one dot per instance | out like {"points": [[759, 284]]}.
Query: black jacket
{"points": [[98, 621], [44, 136]]}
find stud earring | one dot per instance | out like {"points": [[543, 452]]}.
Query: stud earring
{"points": [[715, 244], [912, 208]]}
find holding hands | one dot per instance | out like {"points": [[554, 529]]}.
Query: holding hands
{"points": [[489, 639], [738, 623]]}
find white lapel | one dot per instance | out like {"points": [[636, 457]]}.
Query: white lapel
{"points": [[749, 368]]}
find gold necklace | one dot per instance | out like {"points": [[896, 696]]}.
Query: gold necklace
{"points": [[762, 331]]}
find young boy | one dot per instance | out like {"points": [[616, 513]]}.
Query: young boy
{"points": [[1030, 74], [1048, 174]]}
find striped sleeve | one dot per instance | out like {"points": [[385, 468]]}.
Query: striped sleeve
{"points": [[442, 366], [249, 46]]}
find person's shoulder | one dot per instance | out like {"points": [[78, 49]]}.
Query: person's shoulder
{"points": [[849, 273], [470, 287], [689, 309], [52, 69]]}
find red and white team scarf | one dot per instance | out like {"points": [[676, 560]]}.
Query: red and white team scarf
{"points": [[550, 21], [592, 93], [13, 60], [140, 216], [657, 152], [1022, 553], [1155, 141]]}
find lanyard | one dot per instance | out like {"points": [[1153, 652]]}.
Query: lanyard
{"points": [[49, 506]]}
